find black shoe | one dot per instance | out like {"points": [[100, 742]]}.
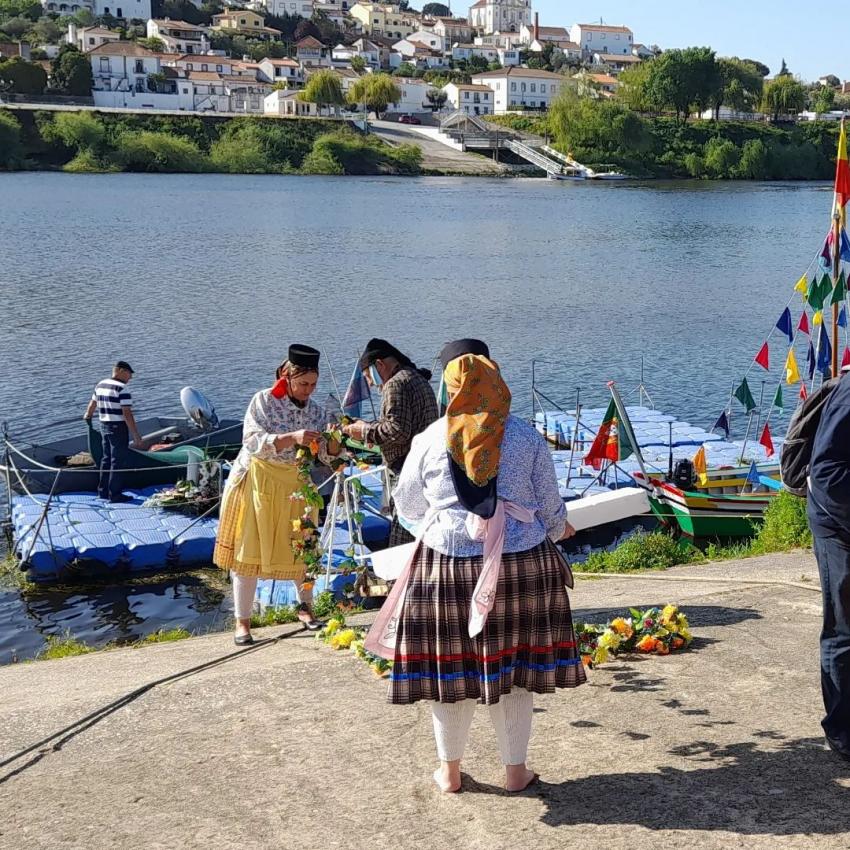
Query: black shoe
{"points": [[121, 499], [312, 625], [243, 640]]}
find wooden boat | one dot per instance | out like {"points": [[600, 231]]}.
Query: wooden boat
{"points": [[44, 467]]}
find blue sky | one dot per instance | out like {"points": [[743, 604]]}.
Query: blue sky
{"points": [[765, 30]]}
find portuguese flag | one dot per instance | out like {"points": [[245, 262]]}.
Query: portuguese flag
{"points": [[612, 442], [842, 175]]}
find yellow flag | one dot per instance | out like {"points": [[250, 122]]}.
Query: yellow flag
{"points": [[802, 286], [817, 319], [701, 466], [792, 373]]}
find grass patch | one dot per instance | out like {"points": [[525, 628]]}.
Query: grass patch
{"points": [[63, 647], [165, 636], [785, 526], [653, 551], [274, 616]]}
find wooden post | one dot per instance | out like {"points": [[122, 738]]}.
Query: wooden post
{"points": [[836, 271]]}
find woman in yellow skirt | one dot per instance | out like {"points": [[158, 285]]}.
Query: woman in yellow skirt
{"points": [[258, 516]]}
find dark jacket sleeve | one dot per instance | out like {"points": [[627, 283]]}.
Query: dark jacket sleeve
{"points": [[830, 464]]}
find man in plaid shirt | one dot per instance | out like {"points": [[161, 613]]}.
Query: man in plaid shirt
{"points": [[408, 407]]}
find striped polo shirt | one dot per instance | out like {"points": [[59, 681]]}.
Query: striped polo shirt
{"points": [[111, 395]]}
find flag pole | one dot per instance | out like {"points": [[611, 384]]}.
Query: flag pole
{"points": [[626, 423], [836, 271]]}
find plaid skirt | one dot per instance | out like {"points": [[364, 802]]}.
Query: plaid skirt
{"points": [[527, 642]]}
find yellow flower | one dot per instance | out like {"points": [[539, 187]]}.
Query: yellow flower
{"points": [[601, 656], [610, 640], [669, 612], [343, 639], [332, 627], [296, 525], [622, 627]]}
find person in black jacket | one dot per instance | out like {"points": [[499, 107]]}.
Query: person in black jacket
{"points": [[829, 517]]}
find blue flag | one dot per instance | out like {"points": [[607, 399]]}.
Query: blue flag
{"points": [[722, 424], [810, 360], [842, 317], [784, 325], [356, 394], [845, 246], [753, 475], [825, 356]]}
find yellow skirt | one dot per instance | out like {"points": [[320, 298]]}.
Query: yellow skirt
{"points": [[255, 526]]}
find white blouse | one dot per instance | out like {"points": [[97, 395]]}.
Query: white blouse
{"points": [[526, 477]]}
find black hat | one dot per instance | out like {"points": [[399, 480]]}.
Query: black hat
{"points": [[453, 350], [380, 349], [123, 364], [303, 356]]}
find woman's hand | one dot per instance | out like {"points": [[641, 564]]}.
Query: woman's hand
{"points": [[356, 430], [569, 532], [304, 437]]}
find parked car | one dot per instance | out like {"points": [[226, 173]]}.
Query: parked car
{"points": [[409, 119]]}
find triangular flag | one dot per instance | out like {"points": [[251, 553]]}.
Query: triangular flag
{"points": [[803, 327], [845, 246], [815, 298], [777, 399], [842, 173], [810, 360], [839, 293], [825, 356], [701, 466], [766, 441], [722, 423], [792, 373], [803, 393], [355, 394], [744, 395], [845, 358], [817, 319], [825, 287], [784, 324], [842, 317], [753, 475], [826, 252], [763, 357], [612, 440], [802, 286]]}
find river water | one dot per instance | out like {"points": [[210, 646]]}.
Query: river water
{"points": [[205, 280]]}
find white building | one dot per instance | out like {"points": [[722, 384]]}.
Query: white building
{"points": [[471, 99], [535, 32], [304, 8], [521, 88], [492, 16], [615, 63], [213, 92], [282, 71], [179, 37], [502, 55], [87, 38], [287, 103], [413, 96], [125, 9], [429, 38], [418, 54], [599, 38], [452, 30]]}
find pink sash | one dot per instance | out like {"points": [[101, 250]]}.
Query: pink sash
{"points": [[381, 640]]}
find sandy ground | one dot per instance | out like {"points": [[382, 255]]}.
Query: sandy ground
{"points": [[291, 745]]}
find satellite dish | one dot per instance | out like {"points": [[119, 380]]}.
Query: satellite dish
{"points": [[198, 408]]}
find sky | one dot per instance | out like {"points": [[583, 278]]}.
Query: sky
{"points": [[767, 30]]}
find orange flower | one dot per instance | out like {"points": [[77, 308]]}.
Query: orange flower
{"points": [[314, 447], [586, 660], [646, 644], [621, 627], [678, 643], [662, 648]]}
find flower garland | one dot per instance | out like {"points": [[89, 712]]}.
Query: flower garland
{"points": [[305, 540], [335, 635], [656, 630]]}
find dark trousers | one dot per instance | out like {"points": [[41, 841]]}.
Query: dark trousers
{"points": [[116, 449], [833, 555]]}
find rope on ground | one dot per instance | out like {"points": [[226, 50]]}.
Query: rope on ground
{"points": [[706, 579], [55, 742]]}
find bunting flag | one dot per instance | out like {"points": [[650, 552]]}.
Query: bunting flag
{"points": [[845, 246], [753, 475], [763, 357], [826, 251], [744, 395], [792, 373], [766, 441], [802, 286], [612, 440], [842, 317], [784, 324], [825, 356], [803, 392], [723, 423], [701, 466], [810, 360], [777, 399], [842, 175], [845, 358], [839, 293], [803, 326], [356, 393], [817, 319]]}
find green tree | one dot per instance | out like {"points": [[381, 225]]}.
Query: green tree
{"points": [[825, 100], [782, 96], [633, 89], [16, 27], [755, 160], [76, 130], [684, 79], [437, 98], [22, 77], [71, 72], [741, 87], [477, 65], [11, 151], [159, 152], [406, 69], [152, 43], [241, 149], [45, 31], [437, 10], [358, 63], [721, 157], [759, 66], [19, 9], [324, 88], [376, 92]]}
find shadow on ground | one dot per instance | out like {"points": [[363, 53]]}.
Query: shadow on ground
{"points": [[699, 616]]}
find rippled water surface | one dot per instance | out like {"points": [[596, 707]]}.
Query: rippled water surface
{"points": [[205, 279]]}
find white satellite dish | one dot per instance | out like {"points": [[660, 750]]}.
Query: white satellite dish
{"points": [[199, 408]]}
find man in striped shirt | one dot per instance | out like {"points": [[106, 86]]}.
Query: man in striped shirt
{"points": [[113, 403]]}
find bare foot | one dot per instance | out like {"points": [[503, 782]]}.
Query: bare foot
{"points": [[519, 777], [447, 783]]}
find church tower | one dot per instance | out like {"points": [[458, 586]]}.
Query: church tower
{"points": [[499, 16]]}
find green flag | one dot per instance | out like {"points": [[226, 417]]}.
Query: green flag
{"points": [[744, 395], [612, 441], [814, 297], [840, 291], [777, 399]]}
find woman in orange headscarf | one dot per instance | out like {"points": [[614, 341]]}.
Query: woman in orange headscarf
{"points": [[481, 612]]}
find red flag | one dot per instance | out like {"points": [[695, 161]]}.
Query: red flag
{"points": [[803, 394], [842, 172], [763, 357], [766, 441], [804, 323], [845, 358]]}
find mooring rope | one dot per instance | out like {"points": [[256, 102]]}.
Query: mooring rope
{"points": [[705, 579]]}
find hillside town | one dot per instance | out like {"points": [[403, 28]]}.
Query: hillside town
{"points": [[498, 58]]}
